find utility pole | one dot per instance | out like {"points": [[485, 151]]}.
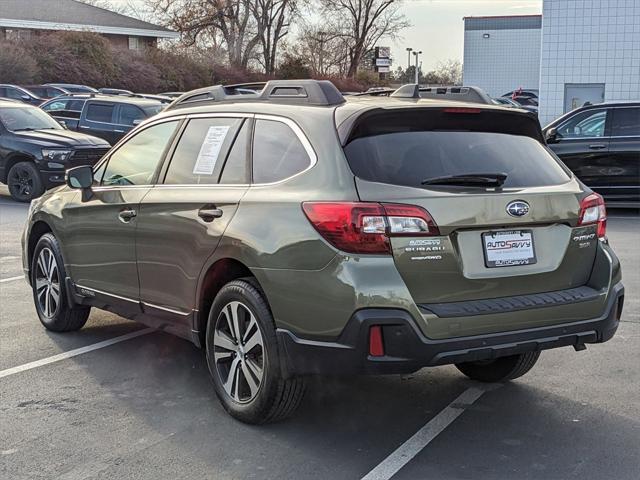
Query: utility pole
{"points": [[417, 55]]}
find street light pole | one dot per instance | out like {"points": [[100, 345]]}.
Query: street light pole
{"points": [[417, 54], [409, 49]]}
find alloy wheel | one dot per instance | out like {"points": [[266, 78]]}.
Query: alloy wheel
{"points": [[238, 352], [47, 283], [20, 182]]}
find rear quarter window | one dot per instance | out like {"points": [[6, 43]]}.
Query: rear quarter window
{"points": [[410, 150], [278, 152]]}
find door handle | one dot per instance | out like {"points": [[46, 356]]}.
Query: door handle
{"points": [[597, 146], [209, 213], [127, 215], [119, 131]]}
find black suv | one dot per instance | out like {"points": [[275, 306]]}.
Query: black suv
{"points": [[105, 116], [35, 150], [601, 144]]}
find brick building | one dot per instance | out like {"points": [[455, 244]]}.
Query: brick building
{"points": [[23, 18]]}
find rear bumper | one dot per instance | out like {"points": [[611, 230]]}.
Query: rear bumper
{"points": [[407, 349]]}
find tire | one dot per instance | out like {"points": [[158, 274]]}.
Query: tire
{"points": [[24, 182], [247, 375], [501, 369], [49, 289]]}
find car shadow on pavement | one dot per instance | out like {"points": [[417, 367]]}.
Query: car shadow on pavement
{"points": [[161, 386]]}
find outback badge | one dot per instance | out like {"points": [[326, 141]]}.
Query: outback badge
{"points": [[518, 208]]}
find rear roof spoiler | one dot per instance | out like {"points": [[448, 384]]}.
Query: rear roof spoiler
{"points": [[455, 93], [309, 92]]}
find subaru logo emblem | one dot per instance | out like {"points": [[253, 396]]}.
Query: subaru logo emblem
{"points": [[518, 208]]}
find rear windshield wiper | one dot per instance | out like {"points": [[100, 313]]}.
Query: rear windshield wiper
{"points": [[469, 179]]}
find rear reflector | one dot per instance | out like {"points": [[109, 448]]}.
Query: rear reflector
{"points": [[594, 212], [363, 227], [376, 346]]}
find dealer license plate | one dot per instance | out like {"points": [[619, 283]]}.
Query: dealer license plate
{"points": [[508, 248]]}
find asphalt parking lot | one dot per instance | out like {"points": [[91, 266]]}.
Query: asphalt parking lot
{"points": [[144, 408]]}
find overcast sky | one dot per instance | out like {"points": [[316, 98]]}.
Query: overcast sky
{"points": [[437, 27]]}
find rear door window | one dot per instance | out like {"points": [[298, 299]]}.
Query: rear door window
{"points": [[201, 151], [236, 168], [625, 122], [401, 151], [100, 112], [278, 153]]}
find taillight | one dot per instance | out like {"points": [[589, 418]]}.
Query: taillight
{"points": [[593, 212], [361, 227]]}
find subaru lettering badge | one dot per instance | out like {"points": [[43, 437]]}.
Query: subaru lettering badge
{"points": [[518, 208]]}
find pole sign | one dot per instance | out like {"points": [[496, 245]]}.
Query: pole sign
{"points": [[382, 61]]}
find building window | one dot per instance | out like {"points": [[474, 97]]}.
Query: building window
{"points": [[135, 43]]}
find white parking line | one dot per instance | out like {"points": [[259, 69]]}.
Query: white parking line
{"points": [[74, 353], [409, 449], [11, 279]]}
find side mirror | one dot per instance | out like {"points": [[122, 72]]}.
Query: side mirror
{"points": [[137, 121], [64, 124], [80, 177], [551, 135], [25, 98]]}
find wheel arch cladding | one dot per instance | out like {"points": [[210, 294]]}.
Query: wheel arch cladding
{"points": [[223, 271], [38, 229]]}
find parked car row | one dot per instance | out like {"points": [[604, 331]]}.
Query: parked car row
{"points": [[106, 116], [38, 94], [599, 143]]}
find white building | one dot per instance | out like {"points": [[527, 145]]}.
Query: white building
{"points": [[590, 52], [502, 53], [587, 51]]}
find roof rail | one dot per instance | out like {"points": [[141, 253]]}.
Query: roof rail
{"points": [[382, 92], [310, 92], [455, 93], [81, 94]]}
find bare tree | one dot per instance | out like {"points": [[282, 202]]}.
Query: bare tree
{"points": [[448, 72], [323, 49], [363, 23], [273, 18], [232, 20]]}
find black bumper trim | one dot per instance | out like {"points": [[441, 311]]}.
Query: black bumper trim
{"points": [[512, 304], [408, 350]]}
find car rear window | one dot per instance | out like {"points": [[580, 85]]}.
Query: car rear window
{"points": [[408, 151]]}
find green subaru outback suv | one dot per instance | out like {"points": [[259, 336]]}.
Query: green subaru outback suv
{"points": [[290, 232]]}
